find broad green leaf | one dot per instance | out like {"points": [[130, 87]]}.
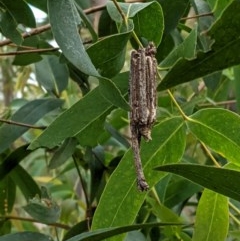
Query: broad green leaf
{"points": [[225, 51], [82, 115], [8, 27], [108, 54], [21, 12], [26, 59], [178, 190], [64, 152], [144, 15], [12, 160], [171, 18], [52, 75], [185, 50], [43, 209], [65, 20], [218, 6], [101, 234], [28, 114], [167, 146], [25, 236], [212, 218], [220, 180], [25, 182], [218, 129]]}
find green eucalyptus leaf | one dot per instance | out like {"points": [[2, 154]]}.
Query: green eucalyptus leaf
{"points": [[212, 218], [224, 53], [185, 50], [43, 209], [220, 180], [26, 236], [82, 116], [218, 129], [25, 182], [167, 146], [52, 75], [21, 12], [63, 153], [101, 234]]}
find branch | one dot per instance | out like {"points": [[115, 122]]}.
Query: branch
{"points": [[10, 122], [58, 225], [198, 16], [46, 27], [29, 51]]}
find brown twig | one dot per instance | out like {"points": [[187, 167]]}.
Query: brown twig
{"points": [[58, 225], [29, 51], [198, 16], [44, 28], [10, 122]]}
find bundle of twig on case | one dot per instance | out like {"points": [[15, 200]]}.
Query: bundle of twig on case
{"points": [[143, 103]]}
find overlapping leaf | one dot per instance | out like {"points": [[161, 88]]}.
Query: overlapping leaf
{"points": [[220, 180], [218, 129], [225, 51], [26, 236], [167, 147], [85, 114], [212, 218]]}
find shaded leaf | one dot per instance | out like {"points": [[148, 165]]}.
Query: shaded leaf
{"points": [[25, 182], [62, 154], [218, 129], [52, 75], [144, 15], [220, 180], [82, 115], [185, 50], [43, 209], [212, 218], [28, 114], [12, 160], [21, 12], [224, 52], [26, 236], [101, 234], [167, 146]]}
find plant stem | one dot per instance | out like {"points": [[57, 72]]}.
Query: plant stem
{"points": [[59, 225], [210, 154], [29, 51], [10, 122], [185, 117]]}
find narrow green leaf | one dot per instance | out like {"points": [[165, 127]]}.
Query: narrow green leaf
{"points": [[218, 129], [101, 234], [171, 18], [64, 22], [12, 160], [42, 5], [220, 180], [79, 117], [167, 146], [212, 218], [21, 12], [185, 50], [25, 182], [8, 27], [28, 114], [64, 152], [225, 51], [52, 75], [26, 236], [43, 209], [108, 54], [143, 15], [236, 80]]}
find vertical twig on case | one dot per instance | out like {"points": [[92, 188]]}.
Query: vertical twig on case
{"points": [[143, 103]]}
